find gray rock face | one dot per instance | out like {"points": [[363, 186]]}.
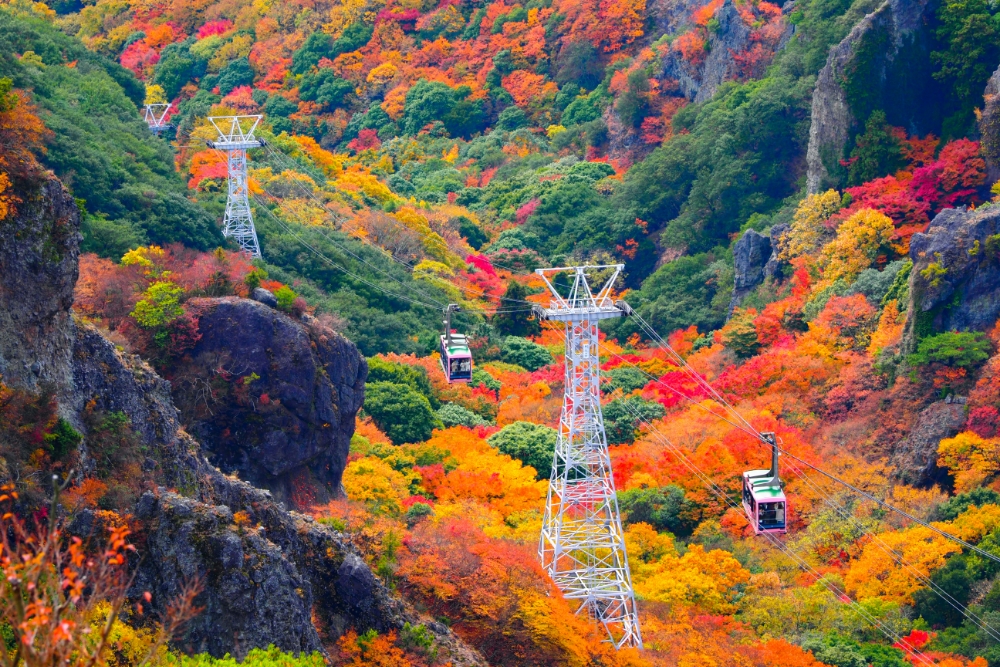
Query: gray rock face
{"points": [[750, 254], [881, 34], [39, 251], [285, 398], [955, 281], [263, 585], [252, 595], [774, 267], [915, 456], [989, 127]]}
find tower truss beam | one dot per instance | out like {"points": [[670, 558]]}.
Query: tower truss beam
{"points": [[582, 545], [236, 136]]}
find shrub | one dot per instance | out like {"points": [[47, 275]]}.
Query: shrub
{"points": [[961, 349], [524, 353], [160, 305], [286, 298], [258, 657], [664, 508], [532, 444], [481, 378], [401, 412], [627, 378], [452, 414], [949, 510], [383, 370], [620, 421]]}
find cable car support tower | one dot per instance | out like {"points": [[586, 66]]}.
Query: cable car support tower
{"points": [[235, 139], [155, 116], [582, 545]]}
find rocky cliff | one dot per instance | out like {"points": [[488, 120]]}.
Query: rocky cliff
{"points": [[989, 127], [863, 72], [269, 576], [271, 399], [39, 252], [955, 281]]}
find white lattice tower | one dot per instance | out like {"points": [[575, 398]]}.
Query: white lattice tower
{"points": [[235, 138], [155, 116], [582, 545]]}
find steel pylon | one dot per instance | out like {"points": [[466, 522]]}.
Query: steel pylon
{"points": [[155, 116], [235, 137], [582, 545]]}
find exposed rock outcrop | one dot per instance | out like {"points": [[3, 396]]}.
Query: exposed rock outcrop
{"points": [[868, 55], [955, 281], [270, 398], [774, 268], [989, 127], [39, 252], [270, 574], [750, 255], [915, 456]]}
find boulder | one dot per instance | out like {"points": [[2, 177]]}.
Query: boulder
{"points": [[265, 297], [284, 396], [955, 281], [750, 255]]}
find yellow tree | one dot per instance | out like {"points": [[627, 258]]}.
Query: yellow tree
{"points": [[971, 459], [875, 574], [808, 230], [857, 244]]}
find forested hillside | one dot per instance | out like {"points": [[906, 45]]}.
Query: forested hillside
{"points": [[805, 201]]}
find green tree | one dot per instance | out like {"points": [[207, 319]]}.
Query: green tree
{"points": [[520, 323], [176, 67], [383, 370], [876, 152], [954, 579], [235, 74], [318, 45], [664, 508], [532, 444], [524, 353], [326, 89], [962, 349], [970, 49], [620, 421], [950, 509], [452, 414], [430, 101], [627, 378], [258, 657], [401, 412], [160, 305]]}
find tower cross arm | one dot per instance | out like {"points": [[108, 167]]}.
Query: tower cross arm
{"points": [[581, 300]]}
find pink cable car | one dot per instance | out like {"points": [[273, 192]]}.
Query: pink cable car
{"points": [[763, 500]]}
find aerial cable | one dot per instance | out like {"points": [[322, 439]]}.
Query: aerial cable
{"points": [[805, 566], [943, 594], [341, 268], [848, 485], [439, 305], [286, 162], [334, 242]]}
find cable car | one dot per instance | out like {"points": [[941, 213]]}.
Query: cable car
{"points": [[763, 500], [456, 358]]}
